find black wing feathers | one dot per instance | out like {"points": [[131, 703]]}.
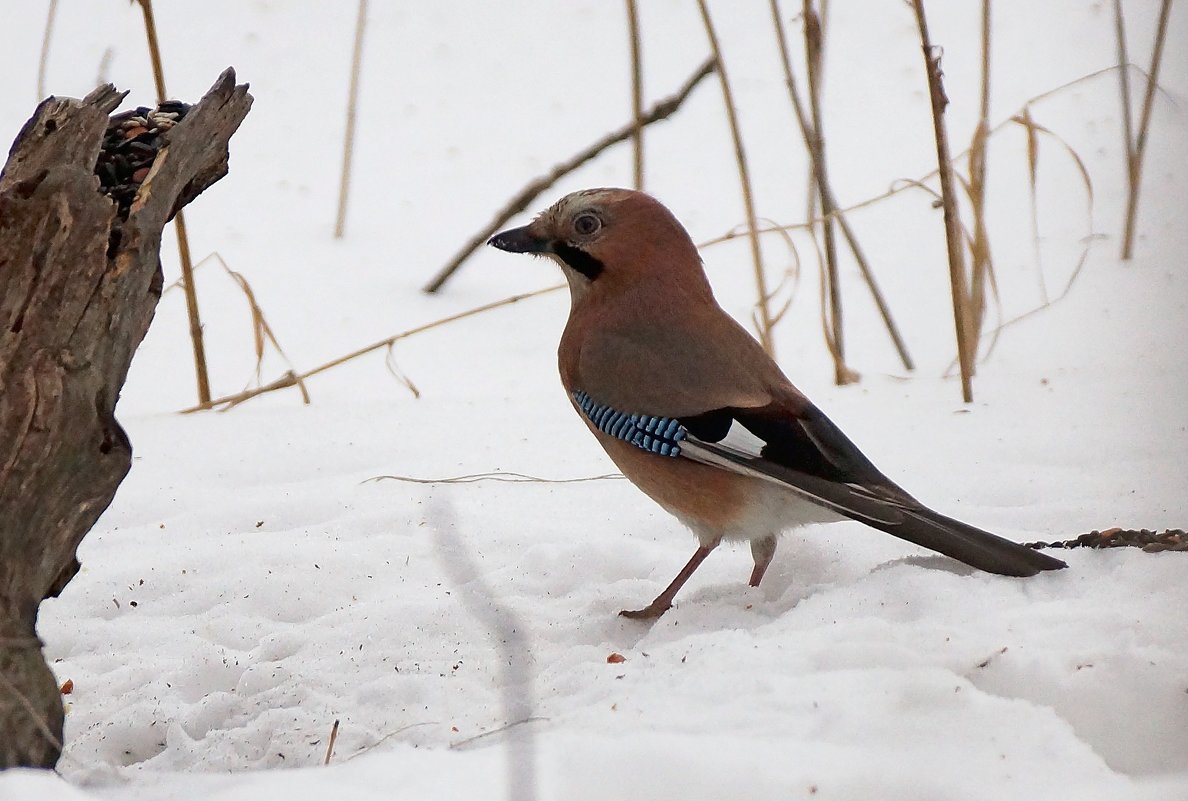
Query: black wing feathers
{"points": [[807, 442], [810, 443], [808, 453], [711, 426]]}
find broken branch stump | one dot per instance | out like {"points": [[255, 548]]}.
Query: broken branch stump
{"points": [[83, 199]]}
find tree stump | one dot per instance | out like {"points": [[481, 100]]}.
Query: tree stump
{"points": [[83, 199]]}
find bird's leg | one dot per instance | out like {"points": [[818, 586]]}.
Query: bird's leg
{"points": [[763, 551], [663, 601]]}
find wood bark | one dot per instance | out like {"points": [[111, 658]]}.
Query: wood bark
{"points": [[75, 302]]}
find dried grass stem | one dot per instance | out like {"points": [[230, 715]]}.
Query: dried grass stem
{"points": [[636, 93], [744, 181], [348, 139], [936, 93], [179, 224], [294, 379]]}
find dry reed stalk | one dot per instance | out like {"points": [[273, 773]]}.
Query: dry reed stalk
{"points": [[394, 369], [330, 745], [1034, 129], [814, 50], [1026, 121], [1124, 82], [348, 140], [196, 339], [821, 182], [876, 293], [1127, 114], [179, 224], [43, 60], [1136, 141], [744, 180], [976, 190], [811, 187], [901, 186], [262, 332], [936, 93], [636, 94], [520, 201], [291, 378]]}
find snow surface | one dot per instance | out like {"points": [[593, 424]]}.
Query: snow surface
{"points": [[249, 585]]}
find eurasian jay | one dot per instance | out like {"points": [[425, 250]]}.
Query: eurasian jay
{"points": [[693, 411]]}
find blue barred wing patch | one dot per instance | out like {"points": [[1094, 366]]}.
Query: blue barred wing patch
{"points": [[658, 435]]}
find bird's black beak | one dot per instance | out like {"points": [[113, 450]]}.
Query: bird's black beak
{"points": [[519, 240]]}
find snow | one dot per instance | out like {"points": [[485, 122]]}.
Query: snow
{"points": [[250, 585]]}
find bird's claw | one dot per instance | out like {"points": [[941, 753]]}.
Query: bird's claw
{"points": [[649, 612]]}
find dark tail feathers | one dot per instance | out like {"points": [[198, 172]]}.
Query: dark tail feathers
{"points": [[968, 544]]}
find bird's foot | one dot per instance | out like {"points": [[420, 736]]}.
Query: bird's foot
{"points": [[650, 612]]}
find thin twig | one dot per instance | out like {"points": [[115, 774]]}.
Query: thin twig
{"points": [[333, 740], [43, 61], [521, 200], [179, 224], [292, 379], [1135, 156], [636, 93], [936, 94], [837, 213], [460, 744], [744, 182], [348, 140], [389, 736]]}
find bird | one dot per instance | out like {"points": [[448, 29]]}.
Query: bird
{"points": [[695, 413]]}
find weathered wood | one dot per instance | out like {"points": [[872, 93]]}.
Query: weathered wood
{"points": [[74, 305]]}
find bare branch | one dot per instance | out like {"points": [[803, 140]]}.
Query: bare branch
{"points": [[521, 200]]}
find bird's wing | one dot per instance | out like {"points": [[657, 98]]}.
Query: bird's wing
{"points": [[673, 365], [715, 378], [737, 411], [840, 478]]}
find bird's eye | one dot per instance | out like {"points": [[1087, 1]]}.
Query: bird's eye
{"points": [[586, 224]]}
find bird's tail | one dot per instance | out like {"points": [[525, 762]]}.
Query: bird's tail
{"points": [[905, 518], [968, 544]]}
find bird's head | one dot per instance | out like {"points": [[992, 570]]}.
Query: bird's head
{"points": [[609, 239]]}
